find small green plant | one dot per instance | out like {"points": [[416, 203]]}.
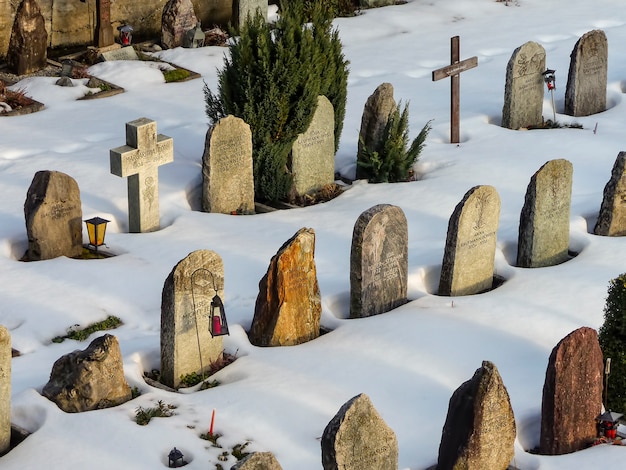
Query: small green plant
{"points": [[135, 392], [213, 437], [391, 159], [612, 338], [80, 334], [238, 450], [175, 75], [162, 410], [191, 379]]}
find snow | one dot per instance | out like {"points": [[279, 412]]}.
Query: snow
{"points": [[408, 361]]}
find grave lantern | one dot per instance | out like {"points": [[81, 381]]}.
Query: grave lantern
{"points": [[194, 37], [175, 458], [218, 326], [96, 229], [126, 35], [66, 68]]}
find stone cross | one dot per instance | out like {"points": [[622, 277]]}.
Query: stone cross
{"points": [[453, 71], [104, 30], [139, 160]]}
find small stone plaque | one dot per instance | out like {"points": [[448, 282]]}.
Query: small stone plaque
{"points": [[123, 53]]}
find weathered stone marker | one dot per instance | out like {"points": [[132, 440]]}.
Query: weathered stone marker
{"points": [[479, 432], [612, 219], [523, 91], [258, 461], [243, 8], [5, 390], [90, 379], [177, 18], [313, 152], [378, 107], [454, 72], [468, 260], [544, 221], [378, 261], [29, 40], [357, 438], [572, 394], [186, 343], [288, 308], [586, 82], [104, 30], [53, 217], [139, 160], [227, 177]]}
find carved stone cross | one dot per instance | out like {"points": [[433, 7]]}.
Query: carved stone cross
{"points": [[453, 71], [139, 160]]}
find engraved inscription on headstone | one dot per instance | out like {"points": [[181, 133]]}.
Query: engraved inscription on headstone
{"points": [[313, 152], [139, 160], [187, 346], [524, 88], [378, 261], [544, 221], [468, 260], [227, 176], [587, 79]]}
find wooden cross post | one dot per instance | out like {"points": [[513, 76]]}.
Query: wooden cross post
{"points": [[453, 71]]}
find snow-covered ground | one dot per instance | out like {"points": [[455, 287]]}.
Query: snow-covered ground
{"points": [[408, 361]]}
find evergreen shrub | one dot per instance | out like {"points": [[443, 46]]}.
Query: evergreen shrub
{"points": [[391, 159], [272, 79], [612, 337]]}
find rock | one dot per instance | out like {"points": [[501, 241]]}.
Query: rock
{"points": [[479, 432], [90, 379], [258, 461], [178, 18]]}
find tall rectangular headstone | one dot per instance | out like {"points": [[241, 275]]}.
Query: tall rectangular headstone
{"points": [[227, 177], [5, 390], [378, 261], [544, 221], [469, 256], [53, 217], [29, 40], [313, 152], [612, 219], [187, 346], [523, 91], [572, 394], [244, 8], [139, 160], [289, 308], [586, 82]]}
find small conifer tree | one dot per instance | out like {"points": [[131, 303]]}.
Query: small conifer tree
{"points": [[272, 80], [612, 337], [391, 159]]}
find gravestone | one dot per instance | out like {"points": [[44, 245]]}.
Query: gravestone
{"points": [[123, 53], [378, 261], [572, 394], [376, 113], [612, 219], [187, 346], [178, 17], [479, 432], [89, 380], [258, 461], [227, 178], [313, 152], [357, 438], [468, 260], [523, 91], [244, 8], [53, 217], [586, 82], [288, 308], [29, 40], [5, 390], [139, 160], [544, 221]]}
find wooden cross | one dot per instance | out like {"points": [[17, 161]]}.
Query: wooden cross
{"points": [[453, 71], [139, 160], [104, 30]]}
